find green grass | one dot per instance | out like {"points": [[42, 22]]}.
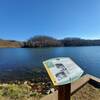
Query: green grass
{"points": [[17, 92]]}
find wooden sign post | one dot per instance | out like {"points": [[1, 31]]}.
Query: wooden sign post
{"points": [[63, 71], [64, 92]]}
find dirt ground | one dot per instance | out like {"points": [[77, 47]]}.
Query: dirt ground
{"points": [[87, 92]]}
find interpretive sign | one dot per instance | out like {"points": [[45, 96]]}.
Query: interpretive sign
{"points": [[62, 70]]}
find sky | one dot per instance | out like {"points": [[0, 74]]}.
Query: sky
{"points": [[22, 19]]}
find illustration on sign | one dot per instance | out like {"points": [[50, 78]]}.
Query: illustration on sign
{"points": [[62, 70]]}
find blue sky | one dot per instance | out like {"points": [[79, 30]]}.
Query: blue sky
{"points": [[22, 19]]}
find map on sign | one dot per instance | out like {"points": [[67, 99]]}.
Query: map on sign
{"points": [[62, 70]]}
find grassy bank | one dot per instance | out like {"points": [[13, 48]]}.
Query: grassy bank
{"points": [[18, 92]]}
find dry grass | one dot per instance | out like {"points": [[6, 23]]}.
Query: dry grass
{"points": [[4, 44]]}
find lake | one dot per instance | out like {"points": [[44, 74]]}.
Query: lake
{"points": [[19, 63]]}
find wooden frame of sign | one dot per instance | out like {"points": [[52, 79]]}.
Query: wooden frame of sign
{"points": [[64, 92]]}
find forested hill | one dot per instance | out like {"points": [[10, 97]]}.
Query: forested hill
{"points": [[42, 41], [79, 42], [45, 41]]}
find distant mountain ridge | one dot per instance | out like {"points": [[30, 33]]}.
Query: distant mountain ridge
{"points": [[46, 41], [80, 42]]}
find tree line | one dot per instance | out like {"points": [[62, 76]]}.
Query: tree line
{"points": [[46, 41]]}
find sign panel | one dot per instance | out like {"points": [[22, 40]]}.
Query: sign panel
{"points": [[62, 70]]}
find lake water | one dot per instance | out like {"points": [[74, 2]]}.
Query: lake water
{"points": [[17, 63]]}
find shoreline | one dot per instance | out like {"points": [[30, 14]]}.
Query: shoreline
{"points": [[48, 47], [45, 90]]}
